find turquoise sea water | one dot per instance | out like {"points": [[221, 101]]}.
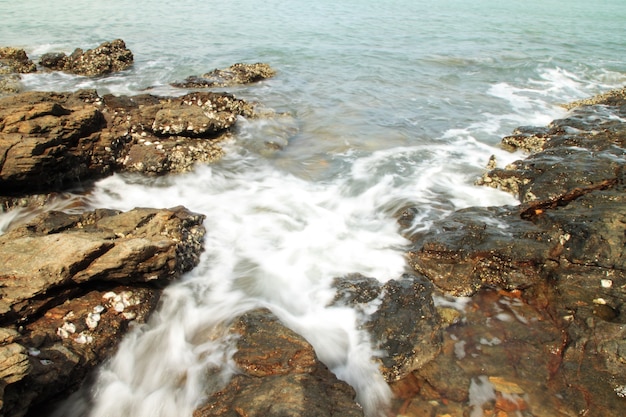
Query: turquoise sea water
{"points": [[391, 103]]}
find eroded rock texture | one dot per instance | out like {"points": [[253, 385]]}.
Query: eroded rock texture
{"points": [[107, 58], [52, 141], [70, 285], [280, 376], [543, 331], [236, 74]]}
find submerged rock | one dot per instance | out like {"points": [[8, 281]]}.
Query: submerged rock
{"points": [[236, 74], [280, 375], [107, 58], [71, 284]]}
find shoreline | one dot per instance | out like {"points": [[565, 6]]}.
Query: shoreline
{"points": [[554, 267]]}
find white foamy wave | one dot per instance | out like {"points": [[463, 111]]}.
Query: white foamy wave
{"points": [[435, 180], [272, 240]]}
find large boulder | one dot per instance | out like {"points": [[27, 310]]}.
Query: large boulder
{"points": [[57, 250], [48, 140], [280, 375], [107, 58], [70, 286]]}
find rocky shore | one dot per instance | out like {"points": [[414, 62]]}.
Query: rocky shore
{"points": [[510, 311]]}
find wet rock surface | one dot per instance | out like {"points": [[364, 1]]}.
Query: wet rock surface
{"points": [[52, 141], [280, 376], [72, 284], [13, 62], [107, 58], [537, 290], [402, 319], [236, 74]]}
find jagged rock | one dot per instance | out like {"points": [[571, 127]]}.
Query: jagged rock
{"points": [[483, 247], [581, 152], [280, 376], [72, 284], [107, 58], [236, 74], [548, 278], [65, 344], [56, 251], [15, 60], [52, 141], [9, 84]]}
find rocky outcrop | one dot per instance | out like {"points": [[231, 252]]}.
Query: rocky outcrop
{"points": [[105, 59], [51, 141], [543, 331], [70, 286], [236, 74], [13, 61], [280, 376]]}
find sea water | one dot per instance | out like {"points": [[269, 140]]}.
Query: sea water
{"points": [[387, 104]]}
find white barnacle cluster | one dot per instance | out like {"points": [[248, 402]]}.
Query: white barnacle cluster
{"points": [[620, 390], [68, 330], [120, 302], [93, 318]]}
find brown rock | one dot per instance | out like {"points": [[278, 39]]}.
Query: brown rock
{"points": [[57, 250], [236, 74], [405, 324], [71, 339], [48, 140], [107, 58], [51, 141], [62, 284], [15, 60], [281, 376]]}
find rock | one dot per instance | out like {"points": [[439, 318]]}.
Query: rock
{"points": [[543, 330], [10, 84], [73, 283], [405, 324], [483, 247], [107, 58], [53, 141], [57, 251], [70, 340], [48, 140], [173, 134], [15, 60], [236, 74], [573, 155], [280, 376]]}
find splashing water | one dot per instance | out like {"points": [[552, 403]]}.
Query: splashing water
{"points": [[393, 105], [273, 240]]}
